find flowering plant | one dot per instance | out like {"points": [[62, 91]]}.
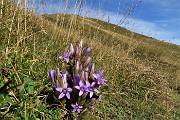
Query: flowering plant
{"points": [[79, 85]]}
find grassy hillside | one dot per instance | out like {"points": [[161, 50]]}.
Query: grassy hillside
{"points": [[143, 73]]}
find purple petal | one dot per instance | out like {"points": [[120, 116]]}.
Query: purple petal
{"points": [[92, 84], [61, 95], [91, 94], [65, 85], [81, 83], [74, 110], [68, 95], [59, 89], [96, 90], [69, 89], [76, 104], [86, 89], [100, 72], [65, 56], [79, 110], [80, 93], [87, 84], [94, 75], [67, 60], [73, 105], [81, 107], [86, 51], [77, 87]]}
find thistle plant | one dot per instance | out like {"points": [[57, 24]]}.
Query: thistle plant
{"points": [[79, 85]]}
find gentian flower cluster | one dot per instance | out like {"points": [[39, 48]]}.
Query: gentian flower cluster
{"points": [[78, 85]]}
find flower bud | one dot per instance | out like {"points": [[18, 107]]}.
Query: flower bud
{"points": [[86, 51], [77, 52], [92, 69], [64, 76], [58, 74], [77, 65], [71, 49], [80, 44], [86, 61], [82, 75], [86, 75], [80, 67], [51, 76]]}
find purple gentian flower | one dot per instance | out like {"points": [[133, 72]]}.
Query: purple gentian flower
{"points": [[76, 107], [81, 87], [86, 51], [91, 88], [99, 79], [65, 91], [65, 56], [51, 75]]}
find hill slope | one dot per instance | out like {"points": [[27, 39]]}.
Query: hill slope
{"points": [[142, 73]]}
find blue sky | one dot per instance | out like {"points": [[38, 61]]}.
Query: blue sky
{"points": [[159, 19]]}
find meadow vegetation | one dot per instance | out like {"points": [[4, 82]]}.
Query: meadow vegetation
{"points": [[143, 73]]}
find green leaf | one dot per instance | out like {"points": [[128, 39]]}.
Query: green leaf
{"points": [[27, 79], [1, 98], [30, 89], [1, 83], [8, 99]]}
